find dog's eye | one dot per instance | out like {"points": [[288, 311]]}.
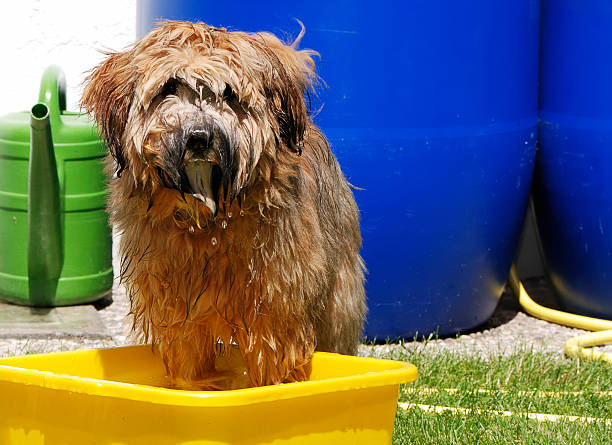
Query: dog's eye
{"points": [[169, 88], [228, 94]]}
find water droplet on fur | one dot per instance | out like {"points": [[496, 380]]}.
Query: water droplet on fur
{"points": [[213, 241], [191, 229], [224, 224], [253, 272]]}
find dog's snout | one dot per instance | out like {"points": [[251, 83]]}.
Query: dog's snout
{"points": [[199, 140]]}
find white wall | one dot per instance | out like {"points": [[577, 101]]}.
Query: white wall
{"points": [[69, 33]]}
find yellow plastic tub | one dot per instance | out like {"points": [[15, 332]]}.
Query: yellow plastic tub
{"points": [[116, 396]]}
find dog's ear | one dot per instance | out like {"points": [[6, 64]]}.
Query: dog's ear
{"points": [[107, 95], [292, 78]]}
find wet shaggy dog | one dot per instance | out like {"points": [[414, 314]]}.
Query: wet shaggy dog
{"points": [[238, 226]]}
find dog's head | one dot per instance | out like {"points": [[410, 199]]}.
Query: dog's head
{"points": [[196, 108]]}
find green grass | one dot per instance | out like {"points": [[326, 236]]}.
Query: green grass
{"points": [[524, 381]]}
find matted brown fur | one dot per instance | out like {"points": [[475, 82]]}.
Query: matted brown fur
{"points": [[270, 258]]}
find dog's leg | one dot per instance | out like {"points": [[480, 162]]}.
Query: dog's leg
{"points": [[300, 373], [274, 356], [189, 357], [339, 326]]}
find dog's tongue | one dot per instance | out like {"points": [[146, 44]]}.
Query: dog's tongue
{"points": [[199, 174]]}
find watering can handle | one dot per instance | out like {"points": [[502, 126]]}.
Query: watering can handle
{"points": [[53, 93]]}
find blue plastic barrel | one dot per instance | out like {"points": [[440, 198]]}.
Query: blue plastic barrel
{"points": [[431, 108], [573, 182]]}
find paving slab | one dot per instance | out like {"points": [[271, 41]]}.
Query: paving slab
{"points": [[70, 321]]}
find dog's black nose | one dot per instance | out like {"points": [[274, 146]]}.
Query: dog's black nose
{"points": [[198, 140]]}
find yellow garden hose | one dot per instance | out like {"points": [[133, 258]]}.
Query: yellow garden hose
{"points": [[574, 346]]}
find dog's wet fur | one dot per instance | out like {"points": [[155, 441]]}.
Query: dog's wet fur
{"points": [[238, 226]]}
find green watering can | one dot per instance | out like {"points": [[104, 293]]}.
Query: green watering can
{"points": [[55, 241]]}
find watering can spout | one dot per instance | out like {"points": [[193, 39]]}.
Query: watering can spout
{"points": [[45, 246]]}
